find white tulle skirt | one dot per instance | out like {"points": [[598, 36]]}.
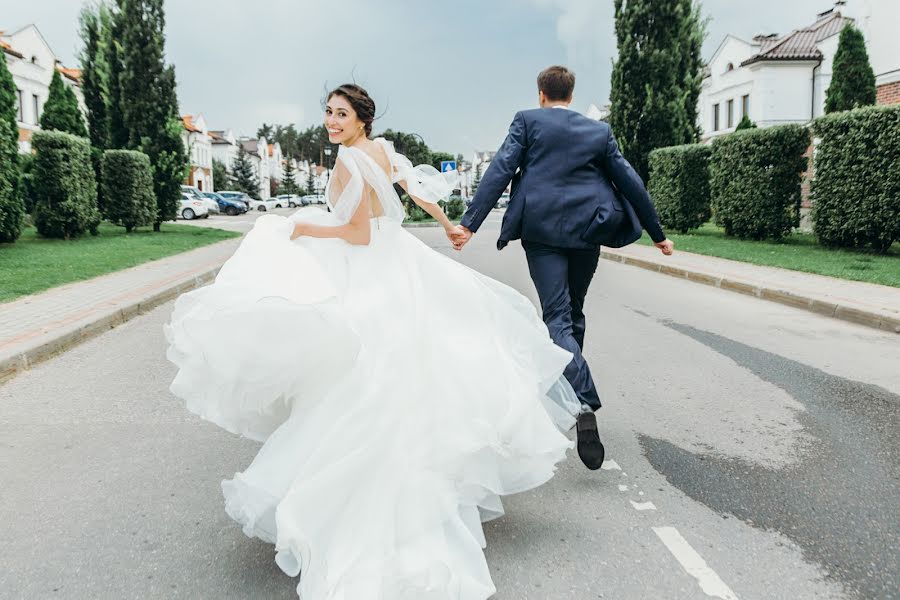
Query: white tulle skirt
{"points": [[398, 393]]}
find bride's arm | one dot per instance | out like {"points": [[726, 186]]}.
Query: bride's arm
{"points": [[357, 231], [432, 208]]}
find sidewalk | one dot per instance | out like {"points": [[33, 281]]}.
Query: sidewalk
{"points": [[867, 304], [35, 328]]}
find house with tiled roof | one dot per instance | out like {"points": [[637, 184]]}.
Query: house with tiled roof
{"points": [[774, 79], [198, 144], [32, 62], [258, 152], [275, 162]]}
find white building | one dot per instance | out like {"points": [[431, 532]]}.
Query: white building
{"points": [[774, 80], [224, 147], [31, 62], [878, 19], [275, 162], [198, 144], [258, 153]]}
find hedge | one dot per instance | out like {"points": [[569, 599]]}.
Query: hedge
{"points": [[12, 208], [856, 190], [127, 187], [679, 185], [755, 178], [64, 187]]}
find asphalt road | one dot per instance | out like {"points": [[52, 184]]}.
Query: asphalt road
{"points": [[752, 453]]}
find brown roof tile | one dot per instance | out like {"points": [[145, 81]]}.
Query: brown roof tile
{"points": [[801, 44]]}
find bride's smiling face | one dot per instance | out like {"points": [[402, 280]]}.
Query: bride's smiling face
{"points": [[341, 121]]}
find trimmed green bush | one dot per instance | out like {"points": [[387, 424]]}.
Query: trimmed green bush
{"points": [[12, 209], [856, 189], [454, 207], [127, 186], [679, 185], [755, 178], [64, 187], [26, 181]]}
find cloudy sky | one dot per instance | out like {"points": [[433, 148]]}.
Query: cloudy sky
{"points": [[454, 72]]}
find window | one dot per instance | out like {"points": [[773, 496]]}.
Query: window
{"points": [[745, 106], [730, 114], [20, 114], [715, 117], [37, 108]]}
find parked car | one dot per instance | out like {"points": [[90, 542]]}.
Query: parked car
{"points": [[503, 202], [239, 196], [288, 200], [314, 198], [192, 208], [264, 205], [229, 207], [195, 192]]}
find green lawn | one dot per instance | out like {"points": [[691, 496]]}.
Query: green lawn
{"points": [[34, 264], [799, 252]]}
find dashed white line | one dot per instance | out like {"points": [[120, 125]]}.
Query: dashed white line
{"points": [[643, 505], [693, 563], [623, 488], [610, 465]]}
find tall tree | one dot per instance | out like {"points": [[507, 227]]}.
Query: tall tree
{"points": [[12, 207], [221, 178], [288, 183], [244, 175], [853, 80], [656, 78], [410, 145], [149, 101], [310, 179], [111, 34], [95, 73], [266, 131], [61, 111]]}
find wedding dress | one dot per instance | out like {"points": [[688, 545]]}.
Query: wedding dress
{"points": [[398, 394]]}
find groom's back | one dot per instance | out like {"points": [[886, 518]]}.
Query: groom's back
{"points": [[562, 179]]}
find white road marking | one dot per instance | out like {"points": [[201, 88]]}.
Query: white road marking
{"points": [[643, 505], [623, 488], [610, 465], [694, 564]]}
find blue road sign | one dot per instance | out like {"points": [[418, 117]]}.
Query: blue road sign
{"points": [[448, 165]]}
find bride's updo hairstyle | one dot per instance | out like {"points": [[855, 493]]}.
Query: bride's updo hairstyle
{"points": [[361, 102]]}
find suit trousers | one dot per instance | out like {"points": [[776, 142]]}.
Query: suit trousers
{"points": [[561, 277]]}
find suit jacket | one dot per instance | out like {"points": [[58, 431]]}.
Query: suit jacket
{"points": [[571, 187]]}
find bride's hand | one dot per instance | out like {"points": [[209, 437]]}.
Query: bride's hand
{"points": [[299, 229]]}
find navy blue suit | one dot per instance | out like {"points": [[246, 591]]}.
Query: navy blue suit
{"points": [[572, 191]]}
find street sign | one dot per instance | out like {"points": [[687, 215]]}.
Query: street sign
{"points": [[448, 165]]}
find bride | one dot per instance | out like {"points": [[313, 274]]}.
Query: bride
{"points": [[397, 392]]}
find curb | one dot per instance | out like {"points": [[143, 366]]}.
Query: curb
{"points": [[13, 365], [418, 225], [828, 309]]}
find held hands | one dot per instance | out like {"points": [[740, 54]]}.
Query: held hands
{"points": [[666, 246], [458, 236]]}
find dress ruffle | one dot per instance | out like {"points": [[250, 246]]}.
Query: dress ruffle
{"points": [[399, 395]]}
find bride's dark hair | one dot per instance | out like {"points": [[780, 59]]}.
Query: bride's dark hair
{"points": [[360, 100]]}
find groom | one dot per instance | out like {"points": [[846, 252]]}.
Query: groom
{"points": [[572, 191]]}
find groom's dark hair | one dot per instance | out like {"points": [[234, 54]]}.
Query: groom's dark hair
{"points": [[557, 83]]}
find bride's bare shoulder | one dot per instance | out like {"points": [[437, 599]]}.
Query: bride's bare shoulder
{"points": [[377, 153]]}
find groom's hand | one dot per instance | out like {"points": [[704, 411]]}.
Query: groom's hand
{"points": [[666, 246], [459, 237]]}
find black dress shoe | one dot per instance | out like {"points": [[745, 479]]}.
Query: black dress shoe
{"points": [[590, 448]]}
